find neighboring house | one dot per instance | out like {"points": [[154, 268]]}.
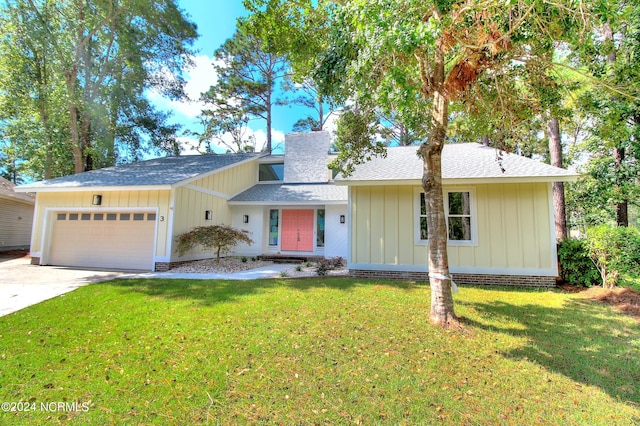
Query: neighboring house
{"points": [[500, 223], [16, 217], [128, 217], [499, 216]]}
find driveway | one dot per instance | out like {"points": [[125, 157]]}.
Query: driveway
{"points": [[23, 284]]}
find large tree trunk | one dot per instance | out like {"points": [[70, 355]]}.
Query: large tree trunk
{"points": [[622, 207], [622, 215], [268, 103], [442, 312], [555, 151]]}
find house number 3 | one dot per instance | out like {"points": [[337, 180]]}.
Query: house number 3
{"points": [[161, 218]]}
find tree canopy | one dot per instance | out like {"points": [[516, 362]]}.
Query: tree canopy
{"points": [[416, 59], [75, 72]]}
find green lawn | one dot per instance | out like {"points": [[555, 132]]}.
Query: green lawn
{"points": [[318, 351]]}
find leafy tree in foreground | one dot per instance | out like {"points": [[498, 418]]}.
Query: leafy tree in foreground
{"points": [[416, 57], [222, 238]]}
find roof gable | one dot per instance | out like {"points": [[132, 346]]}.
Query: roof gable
{"points": [[466, 162], [159, 172]]}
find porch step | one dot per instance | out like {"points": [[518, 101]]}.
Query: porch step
{"points": [[289, 258]]}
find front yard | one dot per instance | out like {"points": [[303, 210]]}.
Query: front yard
{"points": [[316, 351]]}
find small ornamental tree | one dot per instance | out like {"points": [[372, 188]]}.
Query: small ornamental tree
{"points": [[220, 237], [614, 250]]}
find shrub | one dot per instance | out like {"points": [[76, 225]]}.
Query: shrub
{"points": [[220, 237], [576, 267], [299, 268], [614, 250], [244, 259], [325, 265]]}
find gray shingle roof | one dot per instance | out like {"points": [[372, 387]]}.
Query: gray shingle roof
{"points": [[292, 193], [157, 172], [7, 191], [468, 161]]}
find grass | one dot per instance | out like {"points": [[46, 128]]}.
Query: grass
{"points": [[318, 351]]}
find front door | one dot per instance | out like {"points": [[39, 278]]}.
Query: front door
{"points": [[297, 230]]}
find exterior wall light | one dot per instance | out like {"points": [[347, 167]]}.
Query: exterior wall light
{"points": [[342, 218], [208, 215], [245, 218], [96, 200]]}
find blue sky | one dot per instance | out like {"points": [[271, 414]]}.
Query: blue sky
{"points": [[216, 21]]}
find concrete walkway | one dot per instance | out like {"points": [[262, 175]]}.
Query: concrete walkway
{"points": [[23, 284], [269, 271]]}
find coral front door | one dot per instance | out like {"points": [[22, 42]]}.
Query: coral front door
{"points": [[297, 230]]}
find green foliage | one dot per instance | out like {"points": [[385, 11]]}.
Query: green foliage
{"points": [[75, 76], [355, 140], [220, 237], [576, 266], [615, 251]]}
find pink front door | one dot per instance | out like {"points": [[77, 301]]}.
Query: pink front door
{"points": [[297, 230]]}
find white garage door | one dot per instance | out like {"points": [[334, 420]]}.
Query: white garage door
{"points": [[123, 240]]}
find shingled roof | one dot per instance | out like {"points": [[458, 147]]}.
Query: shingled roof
{"points": [[160, 172], [7, 191], [323, 193], [465, 162]]}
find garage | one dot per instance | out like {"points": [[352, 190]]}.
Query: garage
{"points": [[114, 240]]}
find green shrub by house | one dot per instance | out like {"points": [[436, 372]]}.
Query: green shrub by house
{"points": [[576, 267]]}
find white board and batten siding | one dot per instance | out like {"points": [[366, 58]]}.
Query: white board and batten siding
{"points": [[16, 220]]}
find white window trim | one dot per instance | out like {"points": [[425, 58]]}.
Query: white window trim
{"points": [[445, 193]]}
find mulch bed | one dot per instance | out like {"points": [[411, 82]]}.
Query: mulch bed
{"points": [[626, 300], [14, 254]]}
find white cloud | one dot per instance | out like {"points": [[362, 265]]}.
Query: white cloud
{"points": [[199, 79]]}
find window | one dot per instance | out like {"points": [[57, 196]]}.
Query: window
{"points": [[98, 216], [125, 216], [112, 216], [271, 172], [320, 228], [138, 216], [151, 216], [460, 216], [273, 227], [62, 216], [73, 216], [85, 216]]}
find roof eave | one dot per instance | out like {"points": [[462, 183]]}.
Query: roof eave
{"points": [[19, 198], [93, 188], [461, 181], [287, 203]]}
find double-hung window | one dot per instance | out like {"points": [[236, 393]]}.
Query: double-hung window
{"points": [[460, 213]]}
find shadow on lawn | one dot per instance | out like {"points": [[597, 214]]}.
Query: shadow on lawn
{"points": [[210, 292], [578, 340]]}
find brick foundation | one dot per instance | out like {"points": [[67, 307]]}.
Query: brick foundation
{"points": [[475, 279], [35, 260], [165, 266]]}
